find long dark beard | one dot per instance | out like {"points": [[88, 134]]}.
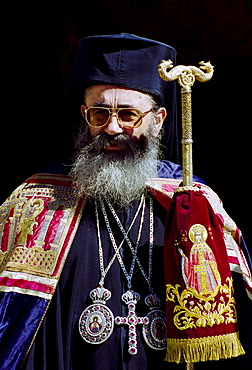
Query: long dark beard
{"points": [[120, 176]]}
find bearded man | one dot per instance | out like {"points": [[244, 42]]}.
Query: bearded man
{"points": [[83, 288], [119, 150]]}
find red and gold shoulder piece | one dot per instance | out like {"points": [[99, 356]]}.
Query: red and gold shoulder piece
{"points": [[169, 186], [163, 189], [56, 179], [37, 225]]}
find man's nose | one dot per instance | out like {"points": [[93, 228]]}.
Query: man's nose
{"points": [[113, 126]]}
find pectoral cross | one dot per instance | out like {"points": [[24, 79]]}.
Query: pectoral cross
{"points": [[131, 298]]}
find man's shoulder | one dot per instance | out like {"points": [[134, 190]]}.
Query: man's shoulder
{"points": [[170, 177], [170, 170], [167, 169], [46, 178], [58, 168], [42, 184], [53, 174]]}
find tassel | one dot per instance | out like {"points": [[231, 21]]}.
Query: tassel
{"points": [[203, 349], [190, 366]]}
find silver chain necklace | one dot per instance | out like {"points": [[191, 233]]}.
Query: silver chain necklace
{"points": [[117, 249], [96, 322], [126, 238]]}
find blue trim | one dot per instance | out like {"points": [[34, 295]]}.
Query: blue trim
{"points": [[20, 318]]}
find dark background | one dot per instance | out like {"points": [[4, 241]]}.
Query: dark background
{"points": [[39, 40]]}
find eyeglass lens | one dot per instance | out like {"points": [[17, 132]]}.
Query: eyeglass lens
{"points": [[100, 116]]}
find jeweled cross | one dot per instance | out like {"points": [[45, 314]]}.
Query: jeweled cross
{"points": [[131, 298]]}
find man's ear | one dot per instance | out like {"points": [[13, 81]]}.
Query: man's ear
{"points": [[83, 107], [158, 123]]}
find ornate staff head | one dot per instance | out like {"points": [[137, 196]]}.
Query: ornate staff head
{"points": [[186, 76]]}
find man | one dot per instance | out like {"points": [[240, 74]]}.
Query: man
{"points": [[82, 284]]}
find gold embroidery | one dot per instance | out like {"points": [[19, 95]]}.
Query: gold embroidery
{"points": [[33, 259], [202, 309], [198, 234], [37, 228], [200, 270], [27, 221], [211, 348], [2, 257], [4, 214]]}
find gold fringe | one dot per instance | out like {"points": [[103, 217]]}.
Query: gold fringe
{"points": [[204, 349], [190, 366]]}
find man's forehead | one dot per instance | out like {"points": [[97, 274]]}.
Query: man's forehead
{"points": [[110, 94]]}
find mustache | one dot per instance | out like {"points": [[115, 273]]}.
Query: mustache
{"points": [[124, 142]]}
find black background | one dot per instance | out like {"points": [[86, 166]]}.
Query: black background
{"points": [[39, 40]]}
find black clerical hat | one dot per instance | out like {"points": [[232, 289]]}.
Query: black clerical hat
{"points": [[124, 60]]}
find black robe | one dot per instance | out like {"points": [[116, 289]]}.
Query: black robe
{"points": [[58, 344]]}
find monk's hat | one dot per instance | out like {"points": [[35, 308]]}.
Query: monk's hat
{"points": [[128, 61]]}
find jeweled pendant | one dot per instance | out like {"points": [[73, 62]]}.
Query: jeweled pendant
{"points": [[131, 298], [96, 322], [154, 332]]}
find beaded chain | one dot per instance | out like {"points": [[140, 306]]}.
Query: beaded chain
{"points": [[126, 238], [103, 270]]}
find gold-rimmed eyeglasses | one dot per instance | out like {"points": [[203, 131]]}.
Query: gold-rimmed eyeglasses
{"points": [[126, 117]]}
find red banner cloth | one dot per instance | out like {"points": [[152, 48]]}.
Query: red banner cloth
{"points": [[200, 306]]}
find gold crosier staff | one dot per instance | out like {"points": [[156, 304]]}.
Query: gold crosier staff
{"points": [[186, 76]]}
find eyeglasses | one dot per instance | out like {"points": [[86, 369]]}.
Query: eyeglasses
{"points": [[126, 117]]}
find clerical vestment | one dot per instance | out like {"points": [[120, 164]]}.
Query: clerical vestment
{"points": [[49, 250]]}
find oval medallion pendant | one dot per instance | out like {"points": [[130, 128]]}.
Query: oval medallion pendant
{"points": [[155, 332], [96, 322]]}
